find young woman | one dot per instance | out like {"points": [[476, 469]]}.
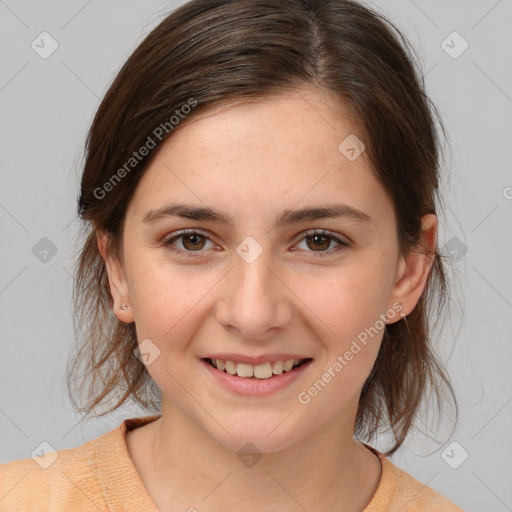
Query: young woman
{"points": [[260, 269]]}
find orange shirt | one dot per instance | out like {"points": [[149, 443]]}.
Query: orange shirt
{"points": [[99, 475]]}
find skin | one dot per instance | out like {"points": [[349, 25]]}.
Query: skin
{"points": [[252, 161]]}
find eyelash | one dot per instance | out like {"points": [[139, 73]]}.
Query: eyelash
{"points": [[180, 234]]}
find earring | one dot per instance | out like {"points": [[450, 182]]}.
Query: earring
{"points": [[123, 306], [404, 317]]}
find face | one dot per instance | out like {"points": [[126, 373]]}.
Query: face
{"points": [[265, 285]]}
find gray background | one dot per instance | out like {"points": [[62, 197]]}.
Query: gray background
{"points": [[47, 106]]}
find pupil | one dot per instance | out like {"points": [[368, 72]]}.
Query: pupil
{"points": [[193, 239], [317, 240]]}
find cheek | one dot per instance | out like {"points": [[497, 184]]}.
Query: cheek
{"points": [[166, 299], [346, 308], [348, 325], [167, 305], [348, 299]]}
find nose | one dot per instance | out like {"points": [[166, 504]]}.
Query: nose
{"points": [[255, 299]]}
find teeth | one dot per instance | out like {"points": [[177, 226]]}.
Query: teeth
{"points": [[244, 370], [259, 371], [277, 367], [288, 365], [231, 367], [263, 371]]}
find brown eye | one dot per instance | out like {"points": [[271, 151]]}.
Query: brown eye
{"points": [[319, 242], [192, 241]]}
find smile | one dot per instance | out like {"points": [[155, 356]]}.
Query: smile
{"points": [[255, 380], [258, 371]]}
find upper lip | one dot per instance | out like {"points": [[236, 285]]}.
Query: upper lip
{"points": [[254, 360]]}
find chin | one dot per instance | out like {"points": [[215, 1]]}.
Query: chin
{"points": [[266, 436]]}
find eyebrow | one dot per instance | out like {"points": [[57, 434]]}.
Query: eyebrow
{"points": [[188, 211]]}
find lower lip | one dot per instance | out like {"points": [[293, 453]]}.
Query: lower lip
{"points": [[256, 387]]}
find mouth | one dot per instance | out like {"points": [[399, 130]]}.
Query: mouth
{"points": [[263, 371]]}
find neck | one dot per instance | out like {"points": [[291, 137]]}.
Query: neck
{"points": [[183, 466]]}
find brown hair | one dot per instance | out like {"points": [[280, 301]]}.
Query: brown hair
{"points": [[215, 53]]}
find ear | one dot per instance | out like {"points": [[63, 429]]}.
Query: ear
{"points": [[413, 270], [116, 279]]}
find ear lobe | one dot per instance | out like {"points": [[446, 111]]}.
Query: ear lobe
{"points": [[414, 269], [116, 279]]}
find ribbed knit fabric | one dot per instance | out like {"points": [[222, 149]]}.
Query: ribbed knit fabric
{"points": [[99, 475]]}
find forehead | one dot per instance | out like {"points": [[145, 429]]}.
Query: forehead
{"points": [[263, 154]]}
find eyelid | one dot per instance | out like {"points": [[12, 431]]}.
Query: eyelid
{"points": [[179, 234], [330, 252], [342, 239], [342, 244]]}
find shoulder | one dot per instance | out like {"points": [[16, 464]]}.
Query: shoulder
{"points": [[58, 481], [400, 492], [410, 495], [24, 486]]}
